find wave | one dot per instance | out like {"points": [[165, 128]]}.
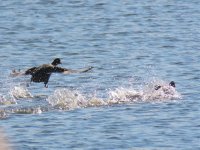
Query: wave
{"points": [[66, 99], [69, 99], [20, 92], [6, 100], [15, 93], [36, 110]]}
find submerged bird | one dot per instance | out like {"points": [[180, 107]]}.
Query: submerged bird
{"points": [[43, 72], [172, 84]]}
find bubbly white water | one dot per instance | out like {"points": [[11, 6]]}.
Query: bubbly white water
{"points": [[20, 92], [70, 99], [67, 99], [6, 100]]}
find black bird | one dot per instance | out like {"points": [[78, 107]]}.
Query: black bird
{"points": [[43, 72], [172, 83]]}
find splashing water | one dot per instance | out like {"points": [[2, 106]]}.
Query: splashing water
{"points": [[7, 100], [166, 92], [3, 114], [123, 95], [20, 92], [68, 99], [36, 110], [146, 94]]}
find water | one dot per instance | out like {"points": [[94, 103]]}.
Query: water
{"points": [[132, 45]]}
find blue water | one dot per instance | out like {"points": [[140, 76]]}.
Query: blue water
{"points": [[131, 45]]}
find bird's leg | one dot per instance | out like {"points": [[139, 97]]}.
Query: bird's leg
{"points": [[45, 85], [28, 83]]}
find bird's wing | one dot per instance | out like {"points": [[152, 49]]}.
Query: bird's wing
{"points": [[69, 71]]}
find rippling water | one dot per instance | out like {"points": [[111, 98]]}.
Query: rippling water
{"points": [[132, 45]]}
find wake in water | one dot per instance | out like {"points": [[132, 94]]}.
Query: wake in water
{"points": [[146, 94], [20, 92], [66, 99]]}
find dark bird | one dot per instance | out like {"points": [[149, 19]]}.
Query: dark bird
{"points": [[172, 83], [43, 72]]}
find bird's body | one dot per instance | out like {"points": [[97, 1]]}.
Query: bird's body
{"points": [[43, 73]]}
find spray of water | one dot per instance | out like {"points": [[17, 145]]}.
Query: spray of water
{"points": [[66, 99], [20, 92]]}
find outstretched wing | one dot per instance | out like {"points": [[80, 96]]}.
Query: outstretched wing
{"points": [[69, 71]]}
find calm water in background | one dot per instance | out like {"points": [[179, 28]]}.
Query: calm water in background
{"points": [[129, 43]]}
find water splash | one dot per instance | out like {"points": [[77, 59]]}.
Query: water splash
{"points": [[67, 99], [36, 110], [94, 102], [146, 94], [123, 95], [3, 114], [7, 100], [20, 92]]}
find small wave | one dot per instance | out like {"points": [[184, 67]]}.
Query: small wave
{"points": [[20, 92], [94, 101], [7, 100], [66, 99], [3, 114], [14, 93], [36, 110], [122, 95]]}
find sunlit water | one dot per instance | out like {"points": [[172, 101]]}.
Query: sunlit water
{"points": [[132, 45]]}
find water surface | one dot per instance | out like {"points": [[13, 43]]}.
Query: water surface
{"points": [[132, 46]]}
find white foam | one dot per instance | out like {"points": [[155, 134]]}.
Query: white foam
{"points": [[166, 92], [69, 99], [3, 114], [36, 110], [7, 100], [20, 92], [123, 95], [66, 99], [94, 101], [146, 93]]}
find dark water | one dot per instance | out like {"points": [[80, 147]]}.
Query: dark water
{"points": [[132, 45]]}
